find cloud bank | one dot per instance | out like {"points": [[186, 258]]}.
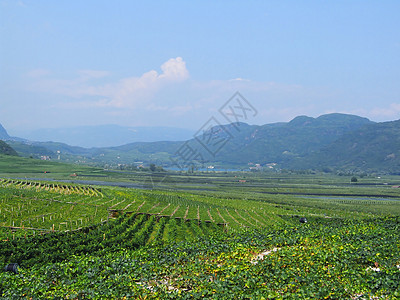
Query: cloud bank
{"points": [[125, 93], [168, 97]]}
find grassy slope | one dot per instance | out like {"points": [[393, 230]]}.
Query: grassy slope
{"points": [[13, 165]]}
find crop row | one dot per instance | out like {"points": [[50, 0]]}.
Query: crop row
{"points": [[52, 187], [23, 207], [323, 259], [126, 232]]}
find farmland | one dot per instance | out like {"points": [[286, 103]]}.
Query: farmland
{"points": [[219, 235]]}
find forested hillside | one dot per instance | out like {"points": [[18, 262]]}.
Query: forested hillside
{"points": [[6, 149]]}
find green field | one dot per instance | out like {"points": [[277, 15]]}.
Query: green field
{"points": [[216, 235], [28, 167]]}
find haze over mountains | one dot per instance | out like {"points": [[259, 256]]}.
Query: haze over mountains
{"points": [[3, 133], [329, 142], [107, 135]]}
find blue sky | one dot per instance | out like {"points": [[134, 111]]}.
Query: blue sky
{"points": [[175, 63]]}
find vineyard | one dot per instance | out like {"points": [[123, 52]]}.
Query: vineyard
{"points": [[48, 207], [88, 242]]}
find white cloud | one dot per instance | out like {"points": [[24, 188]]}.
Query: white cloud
{"points": [[174, 69], [379, 114], [239, 79], [127, 92], [168, 96], [386, 112]]}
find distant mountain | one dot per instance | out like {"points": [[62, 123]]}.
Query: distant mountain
{"points": [[374, 147], [240, 144], [108, 135], [329, 142], [51, 150], [283, 142], [5, 149], [3, 133]]}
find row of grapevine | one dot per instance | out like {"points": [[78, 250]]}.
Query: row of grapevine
{"points": [[52, 187], [126, 232], [22, 206]]}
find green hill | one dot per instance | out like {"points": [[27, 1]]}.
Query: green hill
{"points": [[236, 145], [375, 147], [29, 150], [282, 142], [6, 149]]}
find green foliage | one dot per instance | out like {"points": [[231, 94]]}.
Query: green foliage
{"points": [[326, 258], [227, 240], [373, 148], [23, 167], [5, 149]]}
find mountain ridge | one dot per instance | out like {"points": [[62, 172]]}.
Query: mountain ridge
{"points": [[331, 141], [3, 133], [373, 147]]}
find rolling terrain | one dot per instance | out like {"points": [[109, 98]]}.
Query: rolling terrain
{"points": [[328, 143]]}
